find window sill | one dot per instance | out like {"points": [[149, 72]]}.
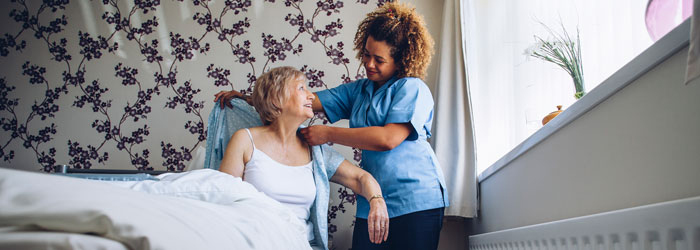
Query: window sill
{"points": [[671, 43]]}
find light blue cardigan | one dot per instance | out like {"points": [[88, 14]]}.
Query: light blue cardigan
{"points": [[223, 123]]}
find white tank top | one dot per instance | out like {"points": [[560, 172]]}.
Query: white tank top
{"points": [[293, 186]]}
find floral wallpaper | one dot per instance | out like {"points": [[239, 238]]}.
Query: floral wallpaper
{"points": [[130, 84]]}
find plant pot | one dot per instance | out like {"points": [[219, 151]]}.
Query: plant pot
{"points": [[551, 115]]}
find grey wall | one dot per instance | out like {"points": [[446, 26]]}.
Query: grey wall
{"points": [[640, 146]]}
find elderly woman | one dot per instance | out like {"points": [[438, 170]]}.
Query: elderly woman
{"points": [[275, 160]]}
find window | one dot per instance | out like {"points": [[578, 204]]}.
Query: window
{"points": [[512, 92]]}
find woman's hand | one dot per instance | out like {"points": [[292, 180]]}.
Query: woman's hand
{"points": [[378, 221], [224, 98], [316, 135]]}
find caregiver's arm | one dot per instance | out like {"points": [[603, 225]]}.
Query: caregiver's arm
{"points": [[375, 138], [316, 104], [362, 183], [224, 98], [237, 154]]}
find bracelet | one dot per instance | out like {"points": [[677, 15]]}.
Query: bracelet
{"points": [[374, 197]]}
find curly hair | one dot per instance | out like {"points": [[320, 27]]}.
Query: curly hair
{"points": [[270, 92], [400, 26]]}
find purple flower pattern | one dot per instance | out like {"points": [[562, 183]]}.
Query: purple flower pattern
{"points": [[126, 128]]}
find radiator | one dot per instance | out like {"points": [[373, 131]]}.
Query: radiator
{"points": [[673, 225]]}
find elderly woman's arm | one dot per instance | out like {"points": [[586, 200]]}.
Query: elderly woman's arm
{"points": [[237, 153], [362, 183]]}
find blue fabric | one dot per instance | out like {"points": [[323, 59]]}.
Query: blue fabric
{"points": [[409, 175], [222, 125], [326, 162]]}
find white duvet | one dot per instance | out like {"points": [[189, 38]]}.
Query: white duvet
{"points": [[201, 209]]}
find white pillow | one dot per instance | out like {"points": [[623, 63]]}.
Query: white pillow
{"points": [[203, 184], [198, 159]]}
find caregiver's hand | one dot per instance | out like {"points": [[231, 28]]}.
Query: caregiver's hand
{"points": [[378, 221], [224, 98], [363, 183], [316, 135]]}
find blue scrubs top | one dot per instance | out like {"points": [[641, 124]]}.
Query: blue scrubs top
{"points": [[409, 175]]}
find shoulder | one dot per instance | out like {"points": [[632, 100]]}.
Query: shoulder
{"points": [[411, 86], [241, 144], [253, 130], [241, 136], [360, 82], [345, 91], [357, 84], [241, 133], [237, 141], [411, 83]]}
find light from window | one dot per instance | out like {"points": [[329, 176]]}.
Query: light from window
{"points": [[511, 93]]}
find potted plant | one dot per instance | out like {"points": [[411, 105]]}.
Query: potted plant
{"points": [[565, 52]]}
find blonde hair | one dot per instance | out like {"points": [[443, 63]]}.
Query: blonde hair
{"points": [[400, 26], [270, 92]]}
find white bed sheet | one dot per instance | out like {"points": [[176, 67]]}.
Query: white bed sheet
{"points": [[202, 209], [12, 238]]}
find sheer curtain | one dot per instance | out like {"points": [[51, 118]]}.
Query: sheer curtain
{"points": [[510, 92], [693, 68], [453, 137]]}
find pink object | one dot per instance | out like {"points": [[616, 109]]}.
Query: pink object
{"points": [[661, 16]]}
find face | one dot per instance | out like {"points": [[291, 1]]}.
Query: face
{"points": [[377, 60], [299, 99]]}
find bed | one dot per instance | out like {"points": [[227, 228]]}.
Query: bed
{"points": [[200, 209]]}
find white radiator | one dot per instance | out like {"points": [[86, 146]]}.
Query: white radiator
{"points": [[673, 225]]}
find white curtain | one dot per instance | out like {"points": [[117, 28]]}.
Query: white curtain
{"points": [[693, 69], [453, 137]]}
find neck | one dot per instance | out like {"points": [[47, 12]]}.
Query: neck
{"points": [[378, 85], [284, 130]]}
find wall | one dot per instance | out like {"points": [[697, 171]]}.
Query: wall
{"points": [[638, 147], [129, 84]]}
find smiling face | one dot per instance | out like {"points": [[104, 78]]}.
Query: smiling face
{"points": [[377, 60], [298, 98]]}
